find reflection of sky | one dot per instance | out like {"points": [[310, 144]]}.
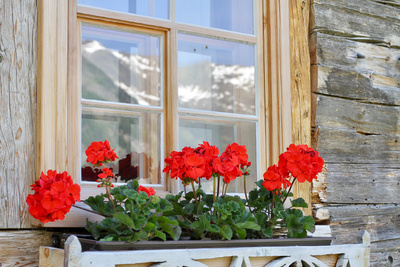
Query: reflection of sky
{"points": [[220, 52], [118, 40], [140, 7], [200, 17]]}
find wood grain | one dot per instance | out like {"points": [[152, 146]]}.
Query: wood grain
{"points": [[21, 248], [18, 58], [357, 25], [381, 221], [360, 183], [358, 109], [300, 84]]}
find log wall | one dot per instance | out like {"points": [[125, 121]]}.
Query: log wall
{"points": [[18, 50], [356, 82]]}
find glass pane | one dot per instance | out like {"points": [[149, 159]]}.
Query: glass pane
{"points": [[231, 15], [120, 66], [135, 138], [216, 75], [150, 8], [193, 131]]}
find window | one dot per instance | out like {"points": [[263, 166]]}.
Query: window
{"points": [[155, 76]]}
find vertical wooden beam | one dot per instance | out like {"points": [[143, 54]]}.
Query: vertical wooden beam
{"points": [[300, 83], [277, 73], [52, 85], [18, 62]]}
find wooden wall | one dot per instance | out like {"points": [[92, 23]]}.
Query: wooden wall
{"points": [[356, 82], [18, 51], [355, 77]]}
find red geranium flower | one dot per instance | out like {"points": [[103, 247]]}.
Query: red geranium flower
{"points": [[302, 162], [54, 195], [273, 180], [149, 191], [100, 152], [203, 161]]}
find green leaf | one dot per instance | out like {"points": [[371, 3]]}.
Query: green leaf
{"points": [[143, 235], [109, 238], [165, 205], [308, 222], [160, 235], [226, 232], [299, 203], [249, 225], [133, 184], [268, 232], [189, 208], [241, 233], [149, 227], [295, 227], [125, 219]]}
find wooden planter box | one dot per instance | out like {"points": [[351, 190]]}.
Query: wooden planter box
{"points": [[269, 253]]}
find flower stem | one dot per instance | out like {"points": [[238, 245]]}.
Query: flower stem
{"points": [[89, 210], [195, 195], [287, 194], [219, 182], [214, 187], [110, 197], [245, 192]]}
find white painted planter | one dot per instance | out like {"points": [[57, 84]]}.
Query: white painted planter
{"points": [[354, 255]]}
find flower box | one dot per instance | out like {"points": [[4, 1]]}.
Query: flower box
{"points": [[275, 252], [90, 244]]}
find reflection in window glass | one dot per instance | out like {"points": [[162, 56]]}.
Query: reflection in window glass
{"points": [[120, 66], [231, 15], [151, 8], [193, 131], [135, 139], [216, 75]]}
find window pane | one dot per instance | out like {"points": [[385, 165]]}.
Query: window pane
{"points": [[151, 8], [121, 66], [216, 75], [193, 131], [135, 138], [231, 15]]}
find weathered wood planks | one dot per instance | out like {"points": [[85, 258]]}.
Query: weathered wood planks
{"points": [[354, 23], [18, 24], [21, 248], [357, 92]]}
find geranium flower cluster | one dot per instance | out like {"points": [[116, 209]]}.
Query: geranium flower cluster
{"points": [[299, 161], [190, 164], [149, 191], [54, 195], [100, 152]]}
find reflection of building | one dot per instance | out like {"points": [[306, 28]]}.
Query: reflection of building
{"points": [[133, 166]]}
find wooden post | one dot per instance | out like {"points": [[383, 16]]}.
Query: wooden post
{"points": [[73, 250]]}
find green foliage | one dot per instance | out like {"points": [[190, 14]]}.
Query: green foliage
{"points": [[225, 219], [137, 216]]}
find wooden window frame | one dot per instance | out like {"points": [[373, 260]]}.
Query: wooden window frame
{"points": [[56, 149]]}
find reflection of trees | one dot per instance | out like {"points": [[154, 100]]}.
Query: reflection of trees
{"points": [[214, 87], [118, 76], [129, 78]]}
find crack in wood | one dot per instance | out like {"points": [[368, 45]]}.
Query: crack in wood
{"points": [[358, 100], [388, 3], [366, 133]]}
